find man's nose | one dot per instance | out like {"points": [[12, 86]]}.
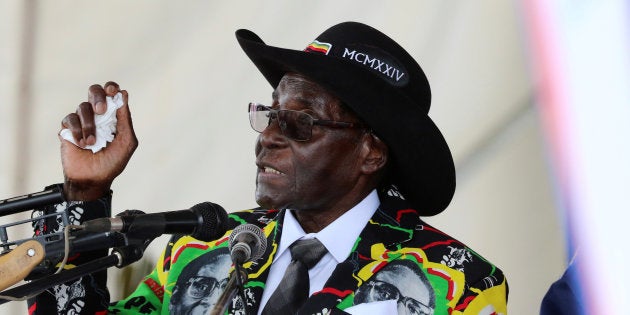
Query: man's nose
{"points": [[272, 136]]}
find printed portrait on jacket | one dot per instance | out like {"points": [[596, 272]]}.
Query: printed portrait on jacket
{"points": [[201, 283], [403, 281]]}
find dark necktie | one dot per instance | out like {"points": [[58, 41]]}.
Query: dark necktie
{"points": [[293, 289]]}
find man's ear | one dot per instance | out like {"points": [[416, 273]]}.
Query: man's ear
{"points": [[376, 154]]}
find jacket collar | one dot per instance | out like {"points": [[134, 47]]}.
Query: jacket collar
{"points": [[392, 225]]}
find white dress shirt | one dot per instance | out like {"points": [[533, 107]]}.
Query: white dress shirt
{"points": [[338, 238]]}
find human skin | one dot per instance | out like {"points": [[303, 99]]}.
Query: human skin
{"points": [[320, 179], [88, 176], [325, 176]]}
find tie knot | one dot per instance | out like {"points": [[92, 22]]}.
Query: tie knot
{"points": [[309, 251]]}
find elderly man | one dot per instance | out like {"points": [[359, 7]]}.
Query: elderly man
{"points": [[347, 162]]}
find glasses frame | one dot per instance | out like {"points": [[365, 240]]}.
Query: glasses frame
{"points": [[193, 283], [277, 115], [397, 295]]}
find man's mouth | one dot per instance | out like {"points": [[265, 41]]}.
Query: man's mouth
{"points": [[271, 170]]}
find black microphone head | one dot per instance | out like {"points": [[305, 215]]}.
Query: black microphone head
{"points": [[214, 223], [247, 242], [130, 212]]}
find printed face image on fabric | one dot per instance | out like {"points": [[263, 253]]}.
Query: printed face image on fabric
{"points": [[201, 283], [393, 283]]}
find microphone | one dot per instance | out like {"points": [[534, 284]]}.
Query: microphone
{"points": [[247, 242], [205, 221]]}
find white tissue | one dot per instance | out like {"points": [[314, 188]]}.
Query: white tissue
{"points": [[105, 124]]}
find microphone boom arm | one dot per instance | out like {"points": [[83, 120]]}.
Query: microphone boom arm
{"points": [[119, 257], [233, 287], [51, 195]]}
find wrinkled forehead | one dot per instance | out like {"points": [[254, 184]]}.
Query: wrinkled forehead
{"points": [[218, 269], [295, 87]]}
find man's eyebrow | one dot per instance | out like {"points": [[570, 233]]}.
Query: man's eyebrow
{"points": [[299, 98]]}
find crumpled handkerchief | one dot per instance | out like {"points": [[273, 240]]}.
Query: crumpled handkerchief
{"points": [[105, 124]]}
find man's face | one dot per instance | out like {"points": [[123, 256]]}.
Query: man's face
{"points": [[203, 289], [395, 282], [311, 175]]}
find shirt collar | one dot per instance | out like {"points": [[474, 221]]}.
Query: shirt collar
{"points": [[339, 236]]}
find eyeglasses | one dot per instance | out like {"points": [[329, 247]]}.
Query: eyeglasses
{"points": [[293, 124], [200, 286], [382, 291]]}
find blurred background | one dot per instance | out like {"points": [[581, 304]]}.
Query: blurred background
{"points": [[189, 83]]}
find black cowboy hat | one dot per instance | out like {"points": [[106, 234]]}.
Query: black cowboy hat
{"points": [[386, 88]]}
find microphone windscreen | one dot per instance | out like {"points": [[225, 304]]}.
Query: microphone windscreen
{"points": [[252, 236], [214, 221]]}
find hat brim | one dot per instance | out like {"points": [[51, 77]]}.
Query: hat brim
{"points": [[421, 164]]}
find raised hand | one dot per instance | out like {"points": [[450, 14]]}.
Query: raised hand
{"points": [[88, 176]]}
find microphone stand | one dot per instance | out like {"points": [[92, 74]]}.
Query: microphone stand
{"points": [[53, 194], [119, 257], [233, 287]]}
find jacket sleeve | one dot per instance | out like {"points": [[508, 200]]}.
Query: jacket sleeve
{"points": [[485, 297], [88, 294]]}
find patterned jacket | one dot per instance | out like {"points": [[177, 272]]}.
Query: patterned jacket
{"points": [[396, 257]]}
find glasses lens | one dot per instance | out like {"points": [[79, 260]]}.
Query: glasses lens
{"points": [[295, 125], [259, 116], [199, 287]]}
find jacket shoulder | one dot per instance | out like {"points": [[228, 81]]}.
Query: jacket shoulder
{"points": [[442, 248], [257, 216]]}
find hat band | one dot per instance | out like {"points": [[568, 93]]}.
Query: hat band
{"points": [[370, 57]]}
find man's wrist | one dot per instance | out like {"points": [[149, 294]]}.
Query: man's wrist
{"points": [[85, 191]]}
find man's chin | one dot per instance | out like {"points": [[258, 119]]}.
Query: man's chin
{"points": [[269, 201]]}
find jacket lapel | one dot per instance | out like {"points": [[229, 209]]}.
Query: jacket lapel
{"points": [[257, 271], [392, 225]]}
